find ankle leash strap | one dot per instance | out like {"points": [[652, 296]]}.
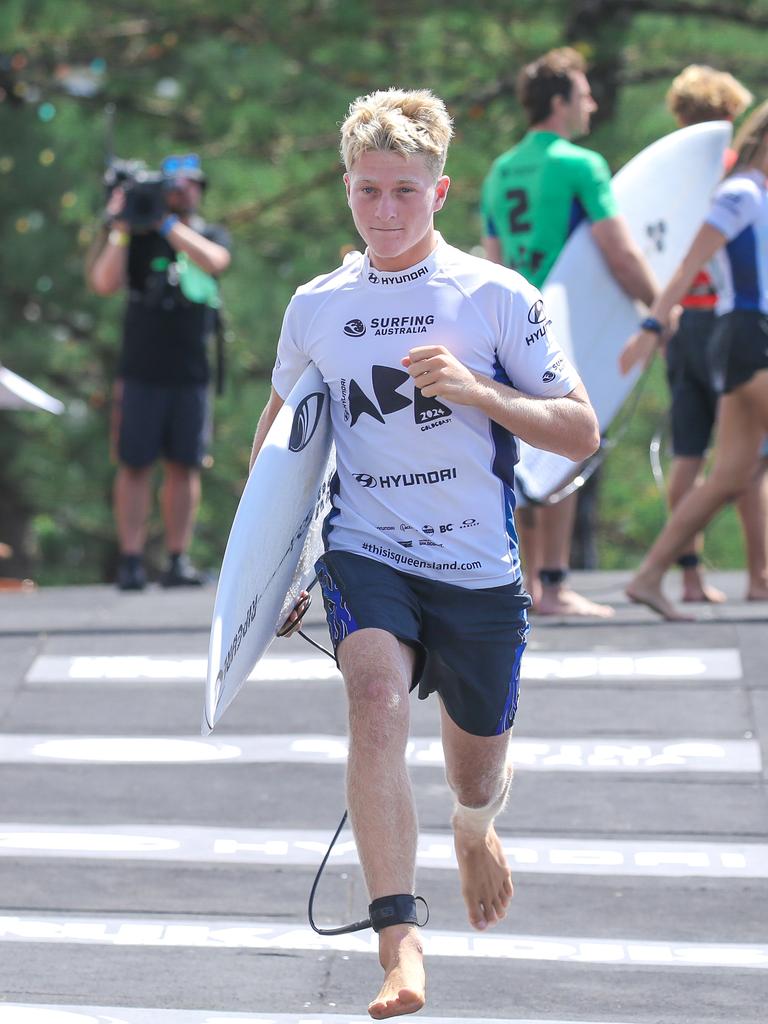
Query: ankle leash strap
{"points": [[400, 909]]}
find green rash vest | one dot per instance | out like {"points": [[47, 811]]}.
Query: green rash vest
{"points": [[537, 193]]}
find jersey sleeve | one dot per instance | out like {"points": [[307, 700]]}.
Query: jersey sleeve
{"points": [[528, 353], [734, 207], [291, 360], [594, 187]]}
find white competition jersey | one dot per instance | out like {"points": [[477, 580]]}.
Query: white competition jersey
{"points": [[422, 484], [740, 211]]}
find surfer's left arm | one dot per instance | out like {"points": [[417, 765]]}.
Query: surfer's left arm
{"points": [[644, 342], [567, 426], [627, 265], [267, 418]]}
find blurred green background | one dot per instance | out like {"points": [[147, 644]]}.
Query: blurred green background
{"points": [[258, 89]]}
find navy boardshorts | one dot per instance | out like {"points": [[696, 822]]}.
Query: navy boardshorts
{"points": [[163, 421], [469, 643]]}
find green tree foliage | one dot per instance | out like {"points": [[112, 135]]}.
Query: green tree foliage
{"points": [[258, 89]]}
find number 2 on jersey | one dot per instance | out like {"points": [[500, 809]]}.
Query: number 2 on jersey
{"points": [[518, 199]]}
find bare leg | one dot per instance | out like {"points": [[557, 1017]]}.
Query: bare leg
{"points": [[131, 501], [743, 419], [377, 670], [684, 476], [179, 499], [556, 529], [753, 510], [479, 773]]}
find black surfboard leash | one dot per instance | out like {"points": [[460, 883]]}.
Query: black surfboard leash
{"points": [[355, 926]]}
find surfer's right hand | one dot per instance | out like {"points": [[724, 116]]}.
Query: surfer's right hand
{"points": [[295, 617]]}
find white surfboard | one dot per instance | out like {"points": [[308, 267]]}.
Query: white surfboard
{"points": [[664, 194], [18, 393], [274, 541]]}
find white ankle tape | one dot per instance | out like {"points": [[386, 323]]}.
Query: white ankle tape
{"points": [[478, 819]]}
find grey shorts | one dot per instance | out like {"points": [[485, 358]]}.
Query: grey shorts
{"points": [[468, 643]]}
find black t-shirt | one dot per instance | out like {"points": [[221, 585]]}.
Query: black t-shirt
{"points": [[164, 332]]}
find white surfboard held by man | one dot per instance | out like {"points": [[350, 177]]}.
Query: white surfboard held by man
{"points": [[418, 344]]}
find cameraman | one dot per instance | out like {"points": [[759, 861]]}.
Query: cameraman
{"points": [[169, 267]]}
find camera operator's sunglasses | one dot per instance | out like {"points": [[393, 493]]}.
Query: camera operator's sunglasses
{"points": [[173, 165]]}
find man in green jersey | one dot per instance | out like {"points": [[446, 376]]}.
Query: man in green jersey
{"points": [[533, 198]]}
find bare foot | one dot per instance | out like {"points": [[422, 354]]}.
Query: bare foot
{"points": [[486, 883], [402, 957], [757, 592], [653, 598], [562, 601], [698, 592]]}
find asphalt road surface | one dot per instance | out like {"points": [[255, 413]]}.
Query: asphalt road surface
{"points": [[150, 875]]}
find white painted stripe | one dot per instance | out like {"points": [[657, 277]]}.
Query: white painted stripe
{"points": [[607, 754], [234, 933], [28, 1013], [665, 666], [526, 854]]}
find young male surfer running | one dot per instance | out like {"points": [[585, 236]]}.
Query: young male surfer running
{"points": [[423, 350], [534, 196]]}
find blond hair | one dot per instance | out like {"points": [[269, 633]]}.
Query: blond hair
{"points": [[752, 138], [408, 122], [701, 93]]}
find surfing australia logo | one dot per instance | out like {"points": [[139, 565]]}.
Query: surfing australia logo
{"points": [[305, 421]]}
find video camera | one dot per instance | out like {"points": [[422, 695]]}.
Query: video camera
{"points": [[145, 191]]}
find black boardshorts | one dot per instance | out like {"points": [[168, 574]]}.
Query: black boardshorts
{"points": [[468, 643], [163, 421], [694, 398], [738, 348]]}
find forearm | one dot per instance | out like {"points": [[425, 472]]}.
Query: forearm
{"points": [[106, 273], [209, 256], [632, 272], [626, 263], [267, 418], [703, 248], [566, 426]]}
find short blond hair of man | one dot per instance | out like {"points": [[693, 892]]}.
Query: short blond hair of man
{"points": [[410, 122], [701, 93]]}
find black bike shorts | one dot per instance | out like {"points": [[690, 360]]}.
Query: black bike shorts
{"points": [[694, 398], [738, 348]]}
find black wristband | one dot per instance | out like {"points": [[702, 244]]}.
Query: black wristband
{"points": [[652, 324]]}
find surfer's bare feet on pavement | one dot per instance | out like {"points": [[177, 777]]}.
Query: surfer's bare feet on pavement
{"points": [[757, 592], [402, 957], [563, 601], [652, 597], [486, 883]]}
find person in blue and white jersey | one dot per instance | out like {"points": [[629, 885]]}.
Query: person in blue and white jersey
{"points": [[735, 237], [435, 361]]}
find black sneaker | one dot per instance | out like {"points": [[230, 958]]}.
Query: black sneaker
{"points": [[181, 573], [130, 573]]}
